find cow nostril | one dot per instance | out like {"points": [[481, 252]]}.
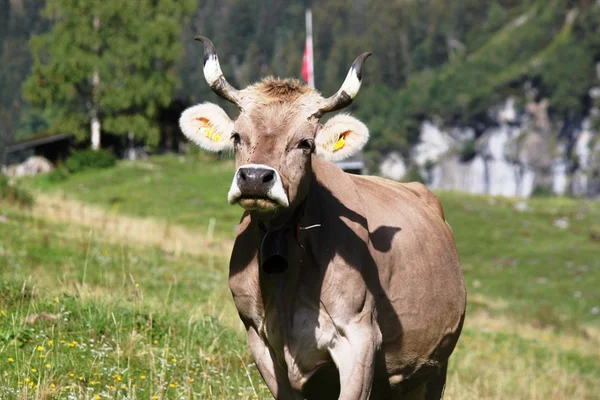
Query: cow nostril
{"points": [[268, 177], [242, 175]]}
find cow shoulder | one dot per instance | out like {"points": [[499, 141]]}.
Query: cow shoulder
{"points": [[427, 196], [414, 188]]}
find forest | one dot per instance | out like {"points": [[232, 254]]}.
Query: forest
{"points": [[135, 67]]}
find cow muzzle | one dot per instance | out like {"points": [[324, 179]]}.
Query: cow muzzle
{"points": [[257, 187]]}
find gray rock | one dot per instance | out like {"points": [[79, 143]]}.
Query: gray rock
{"points": [[393, 166], [34, 165], [523, 150]]}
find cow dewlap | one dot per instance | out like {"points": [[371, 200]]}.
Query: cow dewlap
{"points": [[208, 126]]}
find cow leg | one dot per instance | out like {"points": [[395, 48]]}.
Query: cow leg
{"points": [[436, 385], [354, 355], [271, 372], [430, 389]]}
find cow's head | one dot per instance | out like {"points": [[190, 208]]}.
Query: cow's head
{"points": [[275, 135]]}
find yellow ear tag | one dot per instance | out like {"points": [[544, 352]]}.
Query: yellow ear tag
{"points": [[340, 143], [209, 133]]}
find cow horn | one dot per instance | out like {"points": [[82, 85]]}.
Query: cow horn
{"points": [[343, 97], [214, 75]]}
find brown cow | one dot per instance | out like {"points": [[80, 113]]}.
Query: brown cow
{"points": [[349, 287]]}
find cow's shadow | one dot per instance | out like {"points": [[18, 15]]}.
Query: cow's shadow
{"points": [[334, 217]]}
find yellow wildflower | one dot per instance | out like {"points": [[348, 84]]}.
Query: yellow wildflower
{"points": [[96, 396], [50, 343], [55, 299], [143, 377], [10, 359], [42, 356], [52, 385], [40, 348], [191, 380], [71, 374], [118, 378], [48, 365], [27, 379], [172, 385]]}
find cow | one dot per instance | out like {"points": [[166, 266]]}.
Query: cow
{"points": [[349, 286]]}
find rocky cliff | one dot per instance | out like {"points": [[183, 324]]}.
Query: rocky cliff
{"points": [[519, 152]]}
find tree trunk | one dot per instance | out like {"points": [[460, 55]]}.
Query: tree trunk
{"points": [[95, 127], [95, 124], [95, 120]]}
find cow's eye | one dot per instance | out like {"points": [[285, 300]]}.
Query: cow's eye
{"points": [[236, 138], [306, 144]]}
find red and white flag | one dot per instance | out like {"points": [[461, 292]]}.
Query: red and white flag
{"points": [[307, 61]]}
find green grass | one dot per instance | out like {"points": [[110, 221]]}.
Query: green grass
{"points": [[108, 312], [82, 317], [184, 190], [543, 273]]}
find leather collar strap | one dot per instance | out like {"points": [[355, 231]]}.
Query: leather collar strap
{"points": [[292, 223]]}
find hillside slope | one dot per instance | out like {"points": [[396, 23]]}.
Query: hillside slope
{"points": [[117, 314], [519, 257]]}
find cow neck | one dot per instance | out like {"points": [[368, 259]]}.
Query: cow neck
{"points": [[274, 244], [291, 224]]}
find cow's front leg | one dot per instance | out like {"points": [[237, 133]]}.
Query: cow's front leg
{"points": [[270, 370], [353, 352]]}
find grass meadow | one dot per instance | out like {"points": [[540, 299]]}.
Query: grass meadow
{"points": [[114, 286]]}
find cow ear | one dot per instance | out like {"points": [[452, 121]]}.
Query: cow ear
{"points": [[341, 137], [208, 126]]}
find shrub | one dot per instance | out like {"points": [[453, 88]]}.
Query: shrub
{"points": [[60, 174], [413, 174], [89, 159], [542, 191], [468, 151], [14, 194]]}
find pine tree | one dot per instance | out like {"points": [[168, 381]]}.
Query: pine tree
{"points": [[18, 20], [107, 65]]}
